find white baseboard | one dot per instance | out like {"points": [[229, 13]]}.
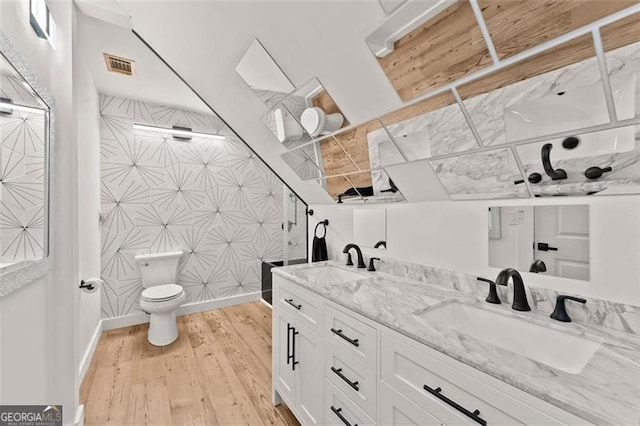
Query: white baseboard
{"points": [[189, 308], [85, 362], [267, 304], [79, 419]]}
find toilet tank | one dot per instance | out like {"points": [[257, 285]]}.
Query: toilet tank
{"points": [[159, 268]]}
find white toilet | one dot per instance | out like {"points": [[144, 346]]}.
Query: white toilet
{"points": [[316, 122], [161, 295], [287, 128]]}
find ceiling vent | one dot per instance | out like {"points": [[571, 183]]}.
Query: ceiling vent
{"points": [[120, 65]]}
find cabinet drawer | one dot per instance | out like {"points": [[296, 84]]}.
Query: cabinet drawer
{"points": [[395, 409], [351, 335], [341, 410], [408, 367], [350, 376], [306, 306]]}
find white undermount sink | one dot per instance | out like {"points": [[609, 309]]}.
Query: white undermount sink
{"points": [[563, 351], [330, 275]]}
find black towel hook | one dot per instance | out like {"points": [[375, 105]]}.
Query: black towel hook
{"points": [[322, 222]]}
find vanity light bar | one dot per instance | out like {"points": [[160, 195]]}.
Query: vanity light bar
{"points": [[177, 132], [16, 107]]}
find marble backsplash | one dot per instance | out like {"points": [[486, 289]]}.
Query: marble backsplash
{"points": [[612, 315]]}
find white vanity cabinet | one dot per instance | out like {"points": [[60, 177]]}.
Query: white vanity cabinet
{"points": [[346, 369]]}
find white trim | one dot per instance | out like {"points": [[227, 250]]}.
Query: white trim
{"points": [[79, 418], [267, 304], [189, 308], [604, 75], [85, 362]]}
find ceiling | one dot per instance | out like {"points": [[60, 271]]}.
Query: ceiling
{"points": [[153, 80], [204, 40]]}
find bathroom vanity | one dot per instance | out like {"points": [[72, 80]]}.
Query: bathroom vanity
{"points": [[356, 347]]}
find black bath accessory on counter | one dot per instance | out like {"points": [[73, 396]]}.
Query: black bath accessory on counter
{"points": [[520, 302], [346, 250], [371, 266], [493, 292], [533, 178], [560, 311], [319, 247], [596, 172]]}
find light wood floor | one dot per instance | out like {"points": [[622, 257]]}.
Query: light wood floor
{"points": [[217, 372]]}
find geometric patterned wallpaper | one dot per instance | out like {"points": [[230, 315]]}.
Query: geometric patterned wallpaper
{"points": [[22, 176], [213, 199]]}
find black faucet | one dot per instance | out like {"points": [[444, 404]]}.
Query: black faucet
{"points": [[358, 252], [520, 302], [371, 266], [493, 293], [538, 266]]}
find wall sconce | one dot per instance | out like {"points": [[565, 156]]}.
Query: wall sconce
{"points": [[42, 22]]}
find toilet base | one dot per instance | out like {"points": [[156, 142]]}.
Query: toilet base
{"points": [[163, 328]]}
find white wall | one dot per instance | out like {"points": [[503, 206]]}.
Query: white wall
{"points": [[453, 235], [38, 322], [86, 105]]}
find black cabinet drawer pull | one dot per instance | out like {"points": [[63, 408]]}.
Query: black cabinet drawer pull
{"points": [[338, 372], [289, 356], [475, 415], [290, 301], [338, 412], [354, 342], [293, 350]]}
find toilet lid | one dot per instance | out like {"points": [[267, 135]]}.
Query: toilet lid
{"points": [[313, 120], [160, 293]]}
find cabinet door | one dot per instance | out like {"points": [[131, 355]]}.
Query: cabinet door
{"points": [[309, 356], [395, 409], [284, 375]]}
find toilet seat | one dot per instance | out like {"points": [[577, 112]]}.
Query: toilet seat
{"points": [[162, 293], [313, 120]]}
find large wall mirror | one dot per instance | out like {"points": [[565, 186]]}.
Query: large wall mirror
{"points": [[551, 240], [25, 139]]}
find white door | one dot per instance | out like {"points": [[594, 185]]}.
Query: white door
{"points": [[561, 240], [309, 376], [395, 409], [284, 373]]}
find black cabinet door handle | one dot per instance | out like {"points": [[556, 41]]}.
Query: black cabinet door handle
{"points": [[473, 415], [546, 247], [289, 356], [338, 412], [354, 342], [293, 349], [554, 174], [338, 372], [290, 301]]}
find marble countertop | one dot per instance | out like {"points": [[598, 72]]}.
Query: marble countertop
{"points": [[606, 391]]}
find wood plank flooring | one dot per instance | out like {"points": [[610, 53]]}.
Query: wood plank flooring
{"points": [[217, 372]]}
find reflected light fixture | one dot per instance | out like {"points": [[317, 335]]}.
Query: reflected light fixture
{"points": [[179, 132], [8, 107]]}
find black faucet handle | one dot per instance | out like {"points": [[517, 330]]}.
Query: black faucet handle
{"points": [[371, 266], [560, 311], [493, 293], [349, 260]]}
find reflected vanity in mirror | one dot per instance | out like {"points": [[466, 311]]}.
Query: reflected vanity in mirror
{"points": [[25, 139], [263, 75], [370, 228], [551, 240]]}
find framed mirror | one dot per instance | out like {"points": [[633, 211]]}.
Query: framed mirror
{"points": [[26, 124], [263, 75], [551, 240], [370, 228]]}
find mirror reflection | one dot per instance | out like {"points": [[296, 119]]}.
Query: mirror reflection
{"points": [[24, 145], [370, 228], [551, 240], [263, 75]]}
